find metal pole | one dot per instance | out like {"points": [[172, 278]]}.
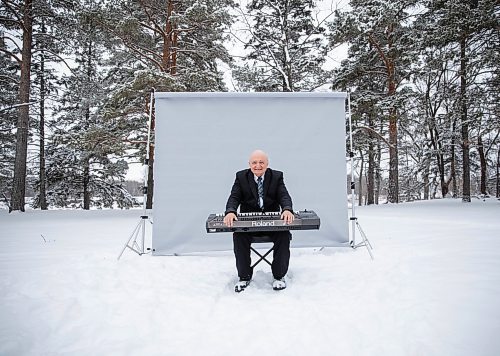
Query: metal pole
{"points": [[353, 218], [151, 106], [141, 226], [146, 168], [352, 242]]}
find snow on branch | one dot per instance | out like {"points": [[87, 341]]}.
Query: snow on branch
{"points": [[372, 131]]}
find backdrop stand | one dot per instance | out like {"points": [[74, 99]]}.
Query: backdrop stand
{"points": [[139, 232], [354, 220]]}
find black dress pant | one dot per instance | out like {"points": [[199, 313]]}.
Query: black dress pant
{"points": [[281, 253]]}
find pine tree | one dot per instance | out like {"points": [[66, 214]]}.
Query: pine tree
{"points": [[466, 28], [167, 45], [49, 45], [380, 33], [181, 38], [17, 16], [466, 31], [83, 164], [9, 81], [286, 47], [436, 85]]}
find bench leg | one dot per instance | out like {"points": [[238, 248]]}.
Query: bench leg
{"points": [[262, 257]]}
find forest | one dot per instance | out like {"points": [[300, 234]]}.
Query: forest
{"points": [[76, 77]]}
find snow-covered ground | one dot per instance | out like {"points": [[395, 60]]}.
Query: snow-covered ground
{"points": [[433, 289]]}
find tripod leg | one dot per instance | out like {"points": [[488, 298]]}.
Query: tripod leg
{"points": [[366, 243], [143, 237], [364, 236], [136, 230]]}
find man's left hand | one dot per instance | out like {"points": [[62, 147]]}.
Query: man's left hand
{"points": [[288, 216]]}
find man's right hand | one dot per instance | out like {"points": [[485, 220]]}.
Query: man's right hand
{"points": [[229, 218]]}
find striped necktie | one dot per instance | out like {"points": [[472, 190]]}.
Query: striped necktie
{"points": [[260, 189]]}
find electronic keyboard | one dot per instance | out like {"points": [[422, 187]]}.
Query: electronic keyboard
{"points": [[248, 222]]}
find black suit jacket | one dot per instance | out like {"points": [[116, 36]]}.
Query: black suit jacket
{"points": [[244, 193]]}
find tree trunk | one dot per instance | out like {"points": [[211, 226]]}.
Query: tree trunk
{"points": [[287, 63], [378, 178], [169, 54], [19, 183], [453, 169], [88, 150], [425, 174], [360, 184], [86, 183], [498, 173], [370, 182], [151, 182], [370, 179], [482, 160], [466, 195], [409, 190], [42, 176], [393, 194], [433, 193], [390, 68], [438, 148]]}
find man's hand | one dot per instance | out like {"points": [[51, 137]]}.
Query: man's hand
{"points": [[229, 218], [288, 216]]}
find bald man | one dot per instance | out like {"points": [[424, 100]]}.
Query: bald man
{"points": [[274, 197]]}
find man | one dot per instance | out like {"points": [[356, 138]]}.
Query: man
{"points": [[260, 189]]}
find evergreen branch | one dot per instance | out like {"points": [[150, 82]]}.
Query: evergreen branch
{"points": [[19, 60], [55, 55], [18, 105], [13, 42], [9, 79], [272, 5], [492, 143], [380, 51], [266, 46], [46, 36], [158, 30], [14, 12], [135, 142], [136, 49], [305, 41], [150, 17], [370, 130], [7, 19], [6, 201]]}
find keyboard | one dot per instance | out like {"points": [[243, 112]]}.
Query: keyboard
{"points": [[248, 222]]}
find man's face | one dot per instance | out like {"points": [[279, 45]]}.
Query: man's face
{"points": [[258, 164]]}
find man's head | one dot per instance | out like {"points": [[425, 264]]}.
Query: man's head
{"points": [[258, 162]]}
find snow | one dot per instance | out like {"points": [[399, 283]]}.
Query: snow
{"points": [[432, 289]]}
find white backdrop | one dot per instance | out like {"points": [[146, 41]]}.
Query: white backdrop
{"points": [[203, 139]]}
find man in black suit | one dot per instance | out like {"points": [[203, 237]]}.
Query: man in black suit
{"points": [[260, 189]]}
